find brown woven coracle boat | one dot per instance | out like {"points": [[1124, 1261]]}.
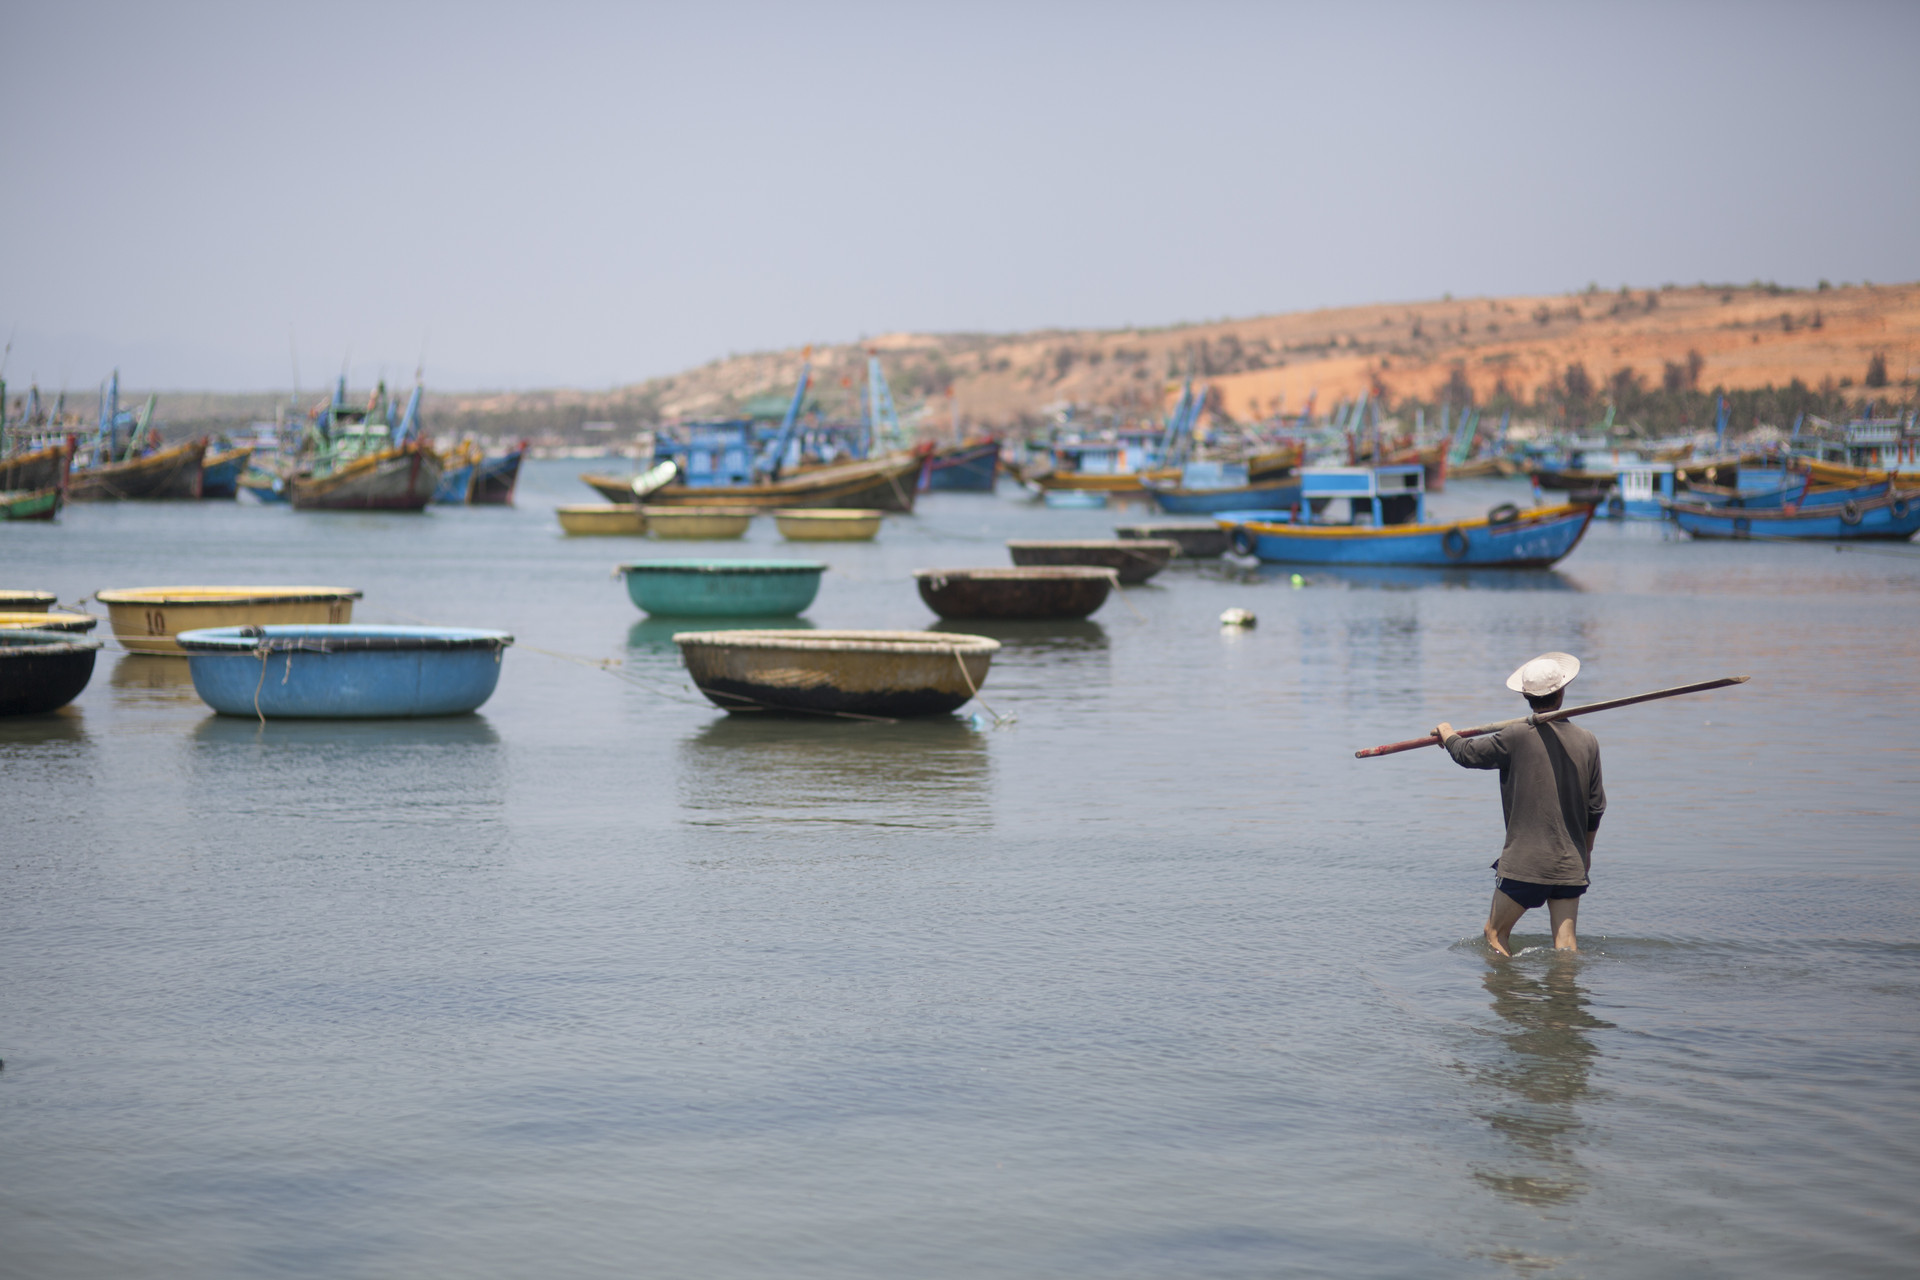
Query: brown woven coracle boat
{"points": [[1134, 559], [1037, 593], [871, 674], [1196, 541]]}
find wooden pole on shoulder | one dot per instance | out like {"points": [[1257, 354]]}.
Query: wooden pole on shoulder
{"points": [[1566, 713]]}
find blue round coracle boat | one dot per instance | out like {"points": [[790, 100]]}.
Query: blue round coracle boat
{"points": [[723, 588], [343, 672]]}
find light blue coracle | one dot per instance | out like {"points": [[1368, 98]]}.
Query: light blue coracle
{"points": [[343, 672]]}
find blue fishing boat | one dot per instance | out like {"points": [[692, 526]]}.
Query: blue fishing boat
{"points": [[1386, 524], [1893, 514], [343, 672], [966, 468], [221, 469], [495, 476], [1638, 491], [1208, 488]]}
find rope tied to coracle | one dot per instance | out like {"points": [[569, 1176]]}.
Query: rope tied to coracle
{"points": [[999, 721]]}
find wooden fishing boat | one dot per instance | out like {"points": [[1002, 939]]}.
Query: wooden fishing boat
{"points": [[1037, 593], [171, 472], [494, 478], [32, 504], [723, 588], [32, 470], [1178, 499], [880, 674], [1196, 541], [14, 600], [888, 483], [401, 478], [601, 518], [1482, 469], [268, 484], [699, 524], [828, 524], [221, 469], [612, 488], [963, 468], [43, 670], [1507, 538], [1134, 559], [1274, 464], [344, 672], [146, 619], [49, 621], [1894, 515], [456, 474]]}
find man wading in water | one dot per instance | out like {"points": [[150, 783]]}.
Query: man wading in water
{"points": [[1551, 794]]}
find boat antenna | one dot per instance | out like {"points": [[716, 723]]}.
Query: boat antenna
{"points": [[293, 350]]}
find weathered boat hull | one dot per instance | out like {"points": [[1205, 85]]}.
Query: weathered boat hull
{"points": [[968, 468], [1196, 541], [36, 469], [1272, 495], [147, 619], [1103, 482], [1134, 559], [344, 673], [43, 670], [267, 485], [1536, 539], [723, 588], [1029, 594], [885, 484], [456, 483], [16, 601], [883, 674], [1894, 516], [601, 518], [173, 472], [494, 479], [828, 524], [400, 479], [37, 504], [50, 621], [612, 488], [220, 472]]}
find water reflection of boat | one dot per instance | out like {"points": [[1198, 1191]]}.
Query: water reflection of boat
{"points": [[359, 738], [1059, 635], [68, 724], [656, 634], [1536, 1084], [771, 773], [1411, 578], [148, 677]]}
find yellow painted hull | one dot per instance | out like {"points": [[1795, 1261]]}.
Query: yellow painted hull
{"points": [[1115, 482], [709, 524], [49, 621], [146, 619], [828, 524], [601, 518]]}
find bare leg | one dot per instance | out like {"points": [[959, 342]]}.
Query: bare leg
{"points": [[1501, 917], [1563, 912]]}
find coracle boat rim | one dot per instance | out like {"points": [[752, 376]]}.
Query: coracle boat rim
{"points": [[20, 595], [165, 596], [1103, 544], [1022, 573], [344, 638], [52, 620], [827, 513], [930, 643], [27, 644], [652, 511], [724, 566]]}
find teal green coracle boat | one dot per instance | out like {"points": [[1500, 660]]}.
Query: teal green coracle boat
{"points": [[723, 588]]}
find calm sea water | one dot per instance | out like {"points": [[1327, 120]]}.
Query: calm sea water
{"points": [[1156, 980]]}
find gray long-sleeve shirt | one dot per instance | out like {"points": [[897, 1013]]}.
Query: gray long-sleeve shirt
{"points": [[1550, 791]]}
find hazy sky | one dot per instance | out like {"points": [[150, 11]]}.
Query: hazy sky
{"points": [[586, 195]]}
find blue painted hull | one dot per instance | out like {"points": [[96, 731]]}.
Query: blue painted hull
{"points": [[267, 487], [453, 486], [302, 675], [1536, 540], [1258, 497], [494, 481], [970, 470], [1893, 517], [221, 479]]}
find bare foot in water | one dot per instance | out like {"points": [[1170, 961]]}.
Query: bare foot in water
{"points": [[1494, 940]]}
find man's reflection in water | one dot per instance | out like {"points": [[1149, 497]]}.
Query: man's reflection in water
{"points": [[1543, 1076]]}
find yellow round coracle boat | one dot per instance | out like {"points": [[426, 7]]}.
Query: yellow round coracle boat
{"points": [[146, 619], [828, 524], [15, 621], [713, 524], [17, 601], [601, 518]]}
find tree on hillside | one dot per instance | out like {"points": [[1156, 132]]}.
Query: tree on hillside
{"points": [[1458, 392], [1877, 370]]}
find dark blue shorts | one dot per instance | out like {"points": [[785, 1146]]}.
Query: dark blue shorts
{"points": [[1530, 895]]}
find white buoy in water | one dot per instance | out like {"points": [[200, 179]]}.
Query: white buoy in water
{"points": [[1238, 618]]}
